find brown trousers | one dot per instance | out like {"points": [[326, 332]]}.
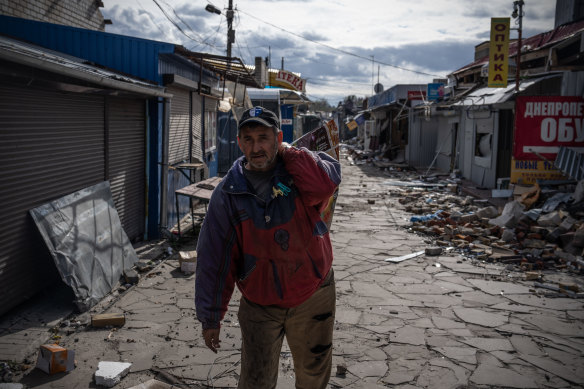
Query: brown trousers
{"points": [[308, 329]]}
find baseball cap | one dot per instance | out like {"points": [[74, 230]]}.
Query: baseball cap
{"points": [[259, 115]]}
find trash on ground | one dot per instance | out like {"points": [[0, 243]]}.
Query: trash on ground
{"points": [[404, 257], [108, 319], [188, 261], [109, 374], [53, 359]]}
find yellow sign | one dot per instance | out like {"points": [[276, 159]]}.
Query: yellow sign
{"points": [[352, 125], [499, 53], [528, 172], [287, 80]]}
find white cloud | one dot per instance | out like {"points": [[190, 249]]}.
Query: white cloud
{"points": [[430, 36]]}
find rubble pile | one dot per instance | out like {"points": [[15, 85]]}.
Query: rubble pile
{"points": [[543, 229], [538, 228]]}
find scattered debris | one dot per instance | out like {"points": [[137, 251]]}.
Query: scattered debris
{"points": [[109, 374], [108, 319], [404, 257], [433, 251], [131, 276], [6, 374], [53, 359], [341, 371], [188, 261]]}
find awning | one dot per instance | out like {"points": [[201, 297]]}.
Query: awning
{"points": [[489, 96], [288, 96], [230, 68]]}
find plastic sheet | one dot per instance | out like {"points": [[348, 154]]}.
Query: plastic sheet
{"points": [[87, 242]]}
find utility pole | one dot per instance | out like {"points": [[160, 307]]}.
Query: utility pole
{"points": [[518, 14], [230, 31]]}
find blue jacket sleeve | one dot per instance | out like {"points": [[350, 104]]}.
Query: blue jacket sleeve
{"points": [[214, 281]]}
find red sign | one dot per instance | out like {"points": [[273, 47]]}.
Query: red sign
{"points": [[288, 80], [544, 123], [416, 95]]}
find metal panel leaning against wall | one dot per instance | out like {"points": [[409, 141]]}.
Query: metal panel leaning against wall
{"points": [[127, 162], [51, 144]]}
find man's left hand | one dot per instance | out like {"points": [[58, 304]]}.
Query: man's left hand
{"points": [[282, 148]]}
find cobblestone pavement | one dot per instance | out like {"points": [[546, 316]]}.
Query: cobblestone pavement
{"points": [[426, 322]]}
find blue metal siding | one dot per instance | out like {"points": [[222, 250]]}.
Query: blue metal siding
{"points": [[287, 112], [130, 55]]}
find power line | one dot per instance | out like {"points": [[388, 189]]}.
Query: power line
{"points": [[174, 23], [338, 50]]}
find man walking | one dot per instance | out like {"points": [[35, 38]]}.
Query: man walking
{"points": [[263, 232]]}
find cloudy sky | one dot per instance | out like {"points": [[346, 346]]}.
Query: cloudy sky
{"points": [[342, 47]]}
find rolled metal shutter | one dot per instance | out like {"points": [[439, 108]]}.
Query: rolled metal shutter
{"points": [[51, 144], [127, 162], [197, 120], [178, 144]]}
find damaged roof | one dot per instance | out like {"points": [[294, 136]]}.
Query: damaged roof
{"points": [[534, 43], [230, 68]]}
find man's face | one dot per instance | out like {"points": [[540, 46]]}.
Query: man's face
{"points": [[260, 146]]}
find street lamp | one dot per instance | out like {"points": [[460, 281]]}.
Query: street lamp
{"points": [[229, 15], [518, 14], [211, 8]]}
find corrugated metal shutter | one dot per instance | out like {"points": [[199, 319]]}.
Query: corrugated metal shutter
{"points": [[197, 120], [178, 145], [51, 144], [127, 164]]}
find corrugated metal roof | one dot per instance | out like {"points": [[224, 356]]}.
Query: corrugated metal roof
{"points": [[31, 55], [130, 55], [535, 43]]}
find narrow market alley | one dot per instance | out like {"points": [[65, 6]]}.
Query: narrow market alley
{"points": [[419, 320]]}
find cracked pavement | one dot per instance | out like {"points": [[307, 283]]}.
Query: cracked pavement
{"points": [[427, 322]]}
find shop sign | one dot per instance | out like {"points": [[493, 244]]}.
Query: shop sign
{"points": [[416, 95], [499, 53], [545, 123], [528, 172], [288, 80], [435, 91]]}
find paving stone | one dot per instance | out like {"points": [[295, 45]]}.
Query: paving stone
{"points": [[375, 354], [460, 354], [444, 323], [398, 377], [559, 304], [487, 374], [482, 318], [553, 324], [408, 335], [553, 367], [369, 369], [496, 287], [512, 307], [490, 344], [525, 345], [460, 373], [437, 377], [347, 316]]}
